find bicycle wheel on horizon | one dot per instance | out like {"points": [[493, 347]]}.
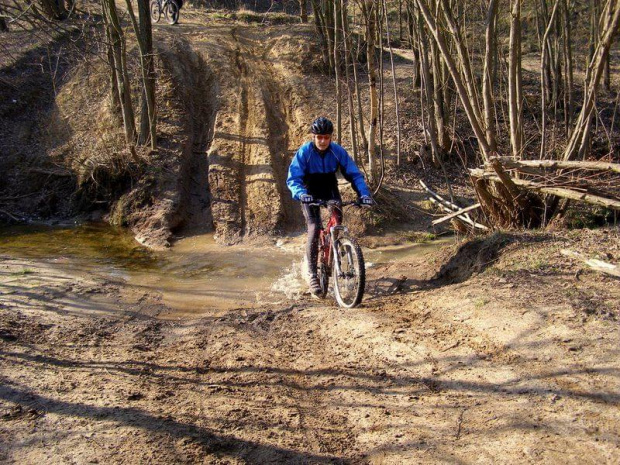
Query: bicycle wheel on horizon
{"points": [[155, 11], [349, 283], [171, 12]]}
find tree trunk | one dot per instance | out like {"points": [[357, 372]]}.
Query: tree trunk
{"points": [[568, 65], [468, 106], [545, 93], [412, 22], [428, 95], [122, 77], [148, 70], [319, 24], [490, 53], [303, 11], [439, 102], [337, 65], [379, 42], [347, 64], [579, 138], [115, 103], [514, 70], [463, 56], [400, 22], [396, 104], [371, 28], [144, 37], [3, 24], [330, 29]]}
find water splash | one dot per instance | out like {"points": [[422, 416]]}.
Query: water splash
{"points": [[293, 282]]}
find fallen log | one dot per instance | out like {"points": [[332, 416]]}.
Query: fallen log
{"points": [[457, 213], [452, 208], [463, 217], [559, 191], [13, 217], [560, 164], [595, 264], [439, 197]]}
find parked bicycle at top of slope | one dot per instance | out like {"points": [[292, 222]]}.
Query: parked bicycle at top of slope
{"points": [[170, 9]]}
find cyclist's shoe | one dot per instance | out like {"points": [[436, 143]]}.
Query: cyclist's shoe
{"points": [[315, 287]]}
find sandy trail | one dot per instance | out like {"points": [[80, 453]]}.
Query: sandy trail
{"points": [[506, 358], [482, 370]]}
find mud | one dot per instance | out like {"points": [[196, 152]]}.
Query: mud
{"points": [[496, 350], [518, 363]]}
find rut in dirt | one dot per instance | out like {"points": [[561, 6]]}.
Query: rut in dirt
{"points": [[251, 145]]}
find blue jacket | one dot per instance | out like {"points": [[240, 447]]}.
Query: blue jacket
{"points": [[314, 173]]}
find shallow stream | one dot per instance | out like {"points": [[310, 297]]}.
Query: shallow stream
{"points": [[195, 277]]}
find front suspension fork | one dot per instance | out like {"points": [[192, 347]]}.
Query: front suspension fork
{"points": [[334, 233]]}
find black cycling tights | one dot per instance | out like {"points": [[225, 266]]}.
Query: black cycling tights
{"points": [[313, 221]]}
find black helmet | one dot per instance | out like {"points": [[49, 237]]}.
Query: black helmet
{"points": [[322, 125]]}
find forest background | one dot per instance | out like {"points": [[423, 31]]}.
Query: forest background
{"points": [[515, 100]]}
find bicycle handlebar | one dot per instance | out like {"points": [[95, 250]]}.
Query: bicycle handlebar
{"points": [[336, 203]]}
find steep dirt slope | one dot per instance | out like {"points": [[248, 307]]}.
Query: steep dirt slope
{"points": [[233, 105], [259, 118]]}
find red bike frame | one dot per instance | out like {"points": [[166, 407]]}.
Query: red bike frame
{"points": [[325, 235]]}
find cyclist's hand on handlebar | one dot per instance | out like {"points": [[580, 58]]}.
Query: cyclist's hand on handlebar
{"points": [[366, 200], [306, 198]]}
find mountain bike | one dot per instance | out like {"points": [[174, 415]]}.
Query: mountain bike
{"points": [[170, 9], [341, 256]]}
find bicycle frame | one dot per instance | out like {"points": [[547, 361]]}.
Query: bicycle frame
{"points": [[329, 234]]}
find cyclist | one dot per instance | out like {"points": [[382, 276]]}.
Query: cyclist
{"points": [[312, 176]]}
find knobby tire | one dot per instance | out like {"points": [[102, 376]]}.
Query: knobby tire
{"points": [[349, 286], [155, 11], [171, 12]]}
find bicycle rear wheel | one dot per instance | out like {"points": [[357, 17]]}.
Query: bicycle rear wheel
{"points": [[350, 281], [155, 11], [171, 12]]}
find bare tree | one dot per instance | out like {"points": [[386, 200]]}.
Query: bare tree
{"points": [[118, 53], [337, 65], [515, 105], [490, 54], [458, 79], [346, 43], [567, 50], [579, 138], [396, 105], [544, 81], [144, 36]]}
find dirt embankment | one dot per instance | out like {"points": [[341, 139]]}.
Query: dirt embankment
{"points": [[234, 102], [258, 125], [511, 357]]}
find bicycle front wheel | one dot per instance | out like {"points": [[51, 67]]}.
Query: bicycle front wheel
{"points": [[155, 11], [350, 275], [171, 12]]}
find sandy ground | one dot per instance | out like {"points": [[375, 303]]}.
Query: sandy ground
{"points": [[515, 363], [500, 350]]}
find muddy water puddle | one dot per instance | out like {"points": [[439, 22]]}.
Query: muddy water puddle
{"points": [[195, 278]]}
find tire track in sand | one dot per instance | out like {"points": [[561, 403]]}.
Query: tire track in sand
{"points": [[250, 151]]}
